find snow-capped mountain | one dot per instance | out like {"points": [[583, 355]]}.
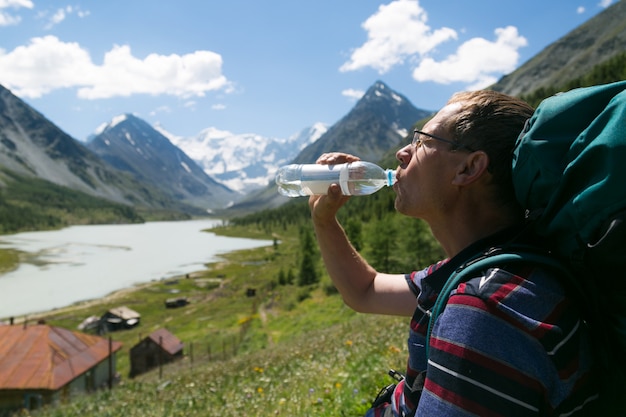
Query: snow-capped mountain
{"points": [[243, 162], [130, 144], [378, 122]]}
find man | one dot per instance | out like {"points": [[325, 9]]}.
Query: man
{"points": [[510, 342]]}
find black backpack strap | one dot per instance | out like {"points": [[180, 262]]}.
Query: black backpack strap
{"points": [[492, 259]]}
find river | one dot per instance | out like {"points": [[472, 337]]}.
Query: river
{"points": [[87, 262]]}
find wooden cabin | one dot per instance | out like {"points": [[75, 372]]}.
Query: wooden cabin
{"points": [[158, 348]]}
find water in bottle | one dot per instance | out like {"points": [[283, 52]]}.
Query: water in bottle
{"points": [[354, 178]]}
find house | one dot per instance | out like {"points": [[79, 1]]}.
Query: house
{"points": [[176, 302], [119, 318], [43, 364], [158, 348]]}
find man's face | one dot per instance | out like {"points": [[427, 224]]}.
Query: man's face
{"points": [[424, 188]]}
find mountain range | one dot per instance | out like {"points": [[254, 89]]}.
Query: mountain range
{"points": [[188, 168], [130, 162], [243, 162]]}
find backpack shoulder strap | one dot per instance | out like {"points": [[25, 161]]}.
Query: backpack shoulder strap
{"points": [[485, 261]]}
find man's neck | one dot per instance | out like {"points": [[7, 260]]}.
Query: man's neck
{"points": [[455, 234]]}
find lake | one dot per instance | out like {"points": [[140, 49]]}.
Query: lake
{"points": [[87, 262]]}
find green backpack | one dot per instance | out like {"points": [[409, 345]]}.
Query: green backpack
{"points": [[569, 173]]}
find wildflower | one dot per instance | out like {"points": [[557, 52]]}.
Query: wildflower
{"points": [[337, 385], [348, 343], [394, 349], [259, 390], [258, 369]]}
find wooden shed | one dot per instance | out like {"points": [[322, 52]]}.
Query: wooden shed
{"points": [[43, 364], [158, 348], [119, 318]]}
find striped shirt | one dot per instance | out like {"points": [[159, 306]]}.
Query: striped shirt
{"points": [[509, 343]]}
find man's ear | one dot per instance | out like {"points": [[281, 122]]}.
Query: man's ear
{"points": [[471, 168]]}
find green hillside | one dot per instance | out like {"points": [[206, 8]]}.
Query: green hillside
{"points": [[34, 204], [292, 349]]}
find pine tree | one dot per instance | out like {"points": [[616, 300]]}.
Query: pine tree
{"points": [[308, 255]]}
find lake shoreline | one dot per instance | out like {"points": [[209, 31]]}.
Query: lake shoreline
{"points": [[90, 263], [85, 304]]}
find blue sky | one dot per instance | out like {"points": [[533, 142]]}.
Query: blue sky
{"points": [[270, 67]]}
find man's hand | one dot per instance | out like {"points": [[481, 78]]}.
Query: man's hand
{"points": [[325, 207]]}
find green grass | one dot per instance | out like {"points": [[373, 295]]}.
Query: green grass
{"points": [[330, 372], [289, 350], [9, 260]]}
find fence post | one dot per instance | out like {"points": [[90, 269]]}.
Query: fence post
{"points": [[160, 357], [110, 363]]}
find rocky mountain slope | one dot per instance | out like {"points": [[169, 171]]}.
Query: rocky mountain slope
{"points": [[380, 120], [572, 56], [32, 146], [130, 144]]}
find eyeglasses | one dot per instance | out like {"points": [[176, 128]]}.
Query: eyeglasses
{"points": [[417, 140]]}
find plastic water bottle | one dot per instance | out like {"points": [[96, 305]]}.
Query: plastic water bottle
{"points": [[354, 178]]}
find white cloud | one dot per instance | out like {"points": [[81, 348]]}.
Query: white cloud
{"points": [[57, 17], [61, 14], [605, 3], [352, 93], [160, 109], [397, 31], [7, 19], [478, 61], [218, 107], [16, 4], [47, 64]]}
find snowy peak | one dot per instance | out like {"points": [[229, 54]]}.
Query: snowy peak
{"points": [[380, 90], [247, 161], [114, 122]]}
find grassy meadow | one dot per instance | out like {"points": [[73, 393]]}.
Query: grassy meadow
{"points": [[289, 350]]}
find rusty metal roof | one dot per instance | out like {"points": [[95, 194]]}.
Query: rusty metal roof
{"points": [[170, 343], [47, 357]]}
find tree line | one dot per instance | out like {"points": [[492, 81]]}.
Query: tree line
{"points": [[389, 241], [36, 204]]}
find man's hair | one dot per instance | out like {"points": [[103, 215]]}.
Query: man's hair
{"points": [[491, 121]]}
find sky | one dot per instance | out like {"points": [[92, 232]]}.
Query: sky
{"points": [[268, 67]]}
